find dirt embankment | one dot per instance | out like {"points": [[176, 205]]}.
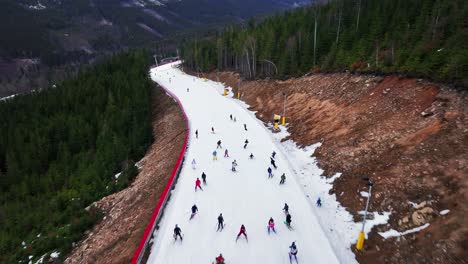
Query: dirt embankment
{"points": [[409, 136], [127, 213]]}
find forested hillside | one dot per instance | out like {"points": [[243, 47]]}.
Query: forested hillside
{"points": [[422, 38], [60, 150]]}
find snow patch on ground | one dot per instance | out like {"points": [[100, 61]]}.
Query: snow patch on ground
{"points": [[37, 6], [156, 2], [395, 233], [139, 3], [55, 254], [7, 97], [373, 219], [364, 194], [149, 29], [155, 14], [332, 179], [139, 164], [104, 22], [444, 212], [40, 260]]}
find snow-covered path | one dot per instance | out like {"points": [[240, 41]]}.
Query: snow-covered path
{"points": [[245, 197]]}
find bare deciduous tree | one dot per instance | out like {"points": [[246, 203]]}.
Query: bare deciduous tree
{"points": [[358, 15], [250, 45], [340, 13], [316, 14]]}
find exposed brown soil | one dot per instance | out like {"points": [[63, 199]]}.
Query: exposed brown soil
{"points": [[409, 136], [127, 212]]}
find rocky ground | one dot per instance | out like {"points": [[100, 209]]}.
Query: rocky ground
{"points": [[409, 136], [127, 213]]}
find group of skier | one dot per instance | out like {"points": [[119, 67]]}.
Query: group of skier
{"points": [[233, 118], [270, 171], [220, 259], [242, 232]]}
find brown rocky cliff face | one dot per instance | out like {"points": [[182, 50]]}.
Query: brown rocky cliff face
{"points": [[127, 212], [409, 136]]}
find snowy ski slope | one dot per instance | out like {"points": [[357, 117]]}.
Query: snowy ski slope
{"points": [[244, 197]]}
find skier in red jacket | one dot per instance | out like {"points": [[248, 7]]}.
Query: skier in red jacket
{"points": [[242, 232], [220, 259], [197, 184]]}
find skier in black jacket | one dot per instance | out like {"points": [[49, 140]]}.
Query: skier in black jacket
{"points": [[273, 163], [177, 233], [220, 222], [203, 176], [194, 211], [288, 220], [283, 178], [286, 208]]}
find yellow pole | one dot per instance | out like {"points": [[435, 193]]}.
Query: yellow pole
{"points": [[276, 125], [225, 92], [360, 241], [283, 122], [238, 95]]}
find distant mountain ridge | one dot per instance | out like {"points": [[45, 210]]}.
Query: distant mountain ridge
{"points": [[94, 25]]}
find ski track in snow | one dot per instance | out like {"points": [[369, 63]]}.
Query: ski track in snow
{"points": [[323, 235]]}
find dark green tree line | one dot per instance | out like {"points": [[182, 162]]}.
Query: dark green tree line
{"points": [[422, 38], [60, 149]]}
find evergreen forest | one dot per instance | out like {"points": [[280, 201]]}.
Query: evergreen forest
{"points": [[420, 38], [60, 150]]}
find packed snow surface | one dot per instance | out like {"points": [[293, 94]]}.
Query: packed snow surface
{"points": [[246, 196]]}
